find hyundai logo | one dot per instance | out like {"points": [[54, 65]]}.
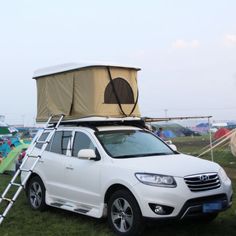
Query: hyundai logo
{"points": [[204, 178]]}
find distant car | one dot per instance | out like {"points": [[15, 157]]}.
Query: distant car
{"points": [[189, 132]]}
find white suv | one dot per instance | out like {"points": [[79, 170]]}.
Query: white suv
{"points": [[127, 174]]}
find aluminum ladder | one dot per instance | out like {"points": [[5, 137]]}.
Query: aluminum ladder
{"points": [[20, 186]]}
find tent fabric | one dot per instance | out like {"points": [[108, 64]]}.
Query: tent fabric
{"points": [[203, 125], [81, 93], [221, 132], [169, 134], [233, 144]]}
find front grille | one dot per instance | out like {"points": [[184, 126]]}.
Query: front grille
{"points": [[202, 182]]}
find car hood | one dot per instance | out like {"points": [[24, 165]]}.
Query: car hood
{"points": [[178, 165]]}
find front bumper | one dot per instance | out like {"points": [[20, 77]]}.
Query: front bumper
{"points": [[184, 202], [194, 207]]}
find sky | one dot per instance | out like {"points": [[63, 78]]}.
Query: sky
{"points": [[186, 49]]}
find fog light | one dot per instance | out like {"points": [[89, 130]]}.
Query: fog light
{"points": [[161, 209]]}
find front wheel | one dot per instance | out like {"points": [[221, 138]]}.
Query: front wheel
{"points": [[124, 215], [36, 194]]}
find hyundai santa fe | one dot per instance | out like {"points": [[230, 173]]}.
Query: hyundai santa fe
{"points": [[127, 174]]}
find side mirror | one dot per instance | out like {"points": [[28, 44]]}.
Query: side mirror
{"points": [[169, 142], [173, 147], [88, 154]]}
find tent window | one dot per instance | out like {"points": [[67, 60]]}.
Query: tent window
{"points": [[123, 90]]}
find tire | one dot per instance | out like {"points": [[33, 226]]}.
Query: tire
{"points": [[124, 215], [36, 194]]}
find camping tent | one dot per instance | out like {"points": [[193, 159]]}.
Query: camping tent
{"points": [[221, 132], [78, 91], [168, 134], [233, 144], [6, 130]]}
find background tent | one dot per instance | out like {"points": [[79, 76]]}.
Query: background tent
{"points": [[6, 130], [220, 133], [78, 91], [203, 125], [202, 128], [231, 125], [176, 129], [168, 134]]}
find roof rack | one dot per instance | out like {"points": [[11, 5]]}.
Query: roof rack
{"points": [[94, 122]]}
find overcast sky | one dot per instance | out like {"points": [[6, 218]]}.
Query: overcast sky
{"points": [[186, 49]]}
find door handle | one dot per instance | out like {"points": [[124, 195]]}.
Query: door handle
{"points": [[69, 168]]}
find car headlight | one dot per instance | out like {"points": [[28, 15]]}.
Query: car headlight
{"points": [[156, 180], [223, 175]]}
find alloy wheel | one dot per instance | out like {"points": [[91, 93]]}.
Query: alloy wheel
{"points": [[122, 215]]}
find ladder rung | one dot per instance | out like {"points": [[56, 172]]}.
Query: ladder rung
{"points": [[7, 199], [26, 170], [42, 142], [16, 184], [34, 156], [49, 128]]}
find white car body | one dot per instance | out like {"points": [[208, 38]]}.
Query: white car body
{"points": [[82, 185]]}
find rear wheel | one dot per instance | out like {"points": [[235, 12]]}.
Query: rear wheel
{"points": [[124, 215], [36, 194]]}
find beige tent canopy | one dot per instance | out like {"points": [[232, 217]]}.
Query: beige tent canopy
{"points": [[79, 91]]}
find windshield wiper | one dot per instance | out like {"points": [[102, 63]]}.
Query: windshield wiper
{"points": [[144, 155], [158, 154]]}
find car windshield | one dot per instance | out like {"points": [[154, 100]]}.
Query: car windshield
{"points": [[132, 143]]}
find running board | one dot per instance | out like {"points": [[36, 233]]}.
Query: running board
{"points": [[84, 210]]}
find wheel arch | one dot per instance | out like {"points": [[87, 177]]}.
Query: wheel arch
{"points": [[31, 177], [113, 188]]}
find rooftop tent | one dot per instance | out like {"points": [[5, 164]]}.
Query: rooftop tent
{"points": [[79, 91]]}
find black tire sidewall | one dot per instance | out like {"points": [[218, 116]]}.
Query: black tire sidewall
{"points": [[36, 179], [137, 226]]}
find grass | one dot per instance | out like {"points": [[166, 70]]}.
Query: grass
{"points": [[22, 220]]}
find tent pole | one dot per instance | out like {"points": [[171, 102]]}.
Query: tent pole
{"points": [[210, 137]]}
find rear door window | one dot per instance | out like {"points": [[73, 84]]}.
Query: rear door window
{"points": [[60, 143], [43, 137]]}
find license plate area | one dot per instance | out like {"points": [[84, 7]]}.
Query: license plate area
{"points": [[212, 207]]}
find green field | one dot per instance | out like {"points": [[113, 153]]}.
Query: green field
{"points": [[22, 220]]}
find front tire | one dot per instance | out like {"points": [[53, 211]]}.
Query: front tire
{"points": [[124, 215], [36, 194]]}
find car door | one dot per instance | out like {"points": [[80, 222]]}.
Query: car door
{"points": [[52, 163], [83, 176]]}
